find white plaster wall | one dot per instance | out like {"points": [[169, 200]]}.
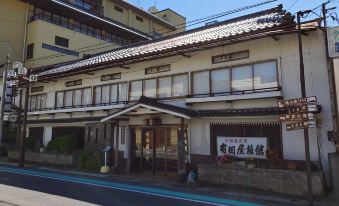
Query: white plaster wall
{"points": [[285, 51]]}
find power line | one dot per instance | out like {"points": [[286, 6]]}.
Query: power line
{"points": [[191, 23]]}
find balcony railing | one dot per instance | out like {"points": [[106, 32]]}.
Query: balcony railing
{"points": [[83, 29], [253, 91], [94, 7]]}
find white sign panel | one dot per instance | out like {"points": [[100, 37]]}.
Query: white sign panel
{"points": [[242, 147], [333, 41]]}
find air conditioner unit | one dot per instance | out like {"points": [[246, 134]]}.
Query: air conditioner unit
{"points": [[33, 78], [11, 73], [17, 65], [22, 71]]}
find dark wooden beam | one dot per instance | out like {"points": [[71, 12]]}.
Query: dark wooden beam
{"points": [[89, 73], [124, 67], [275, 38]]}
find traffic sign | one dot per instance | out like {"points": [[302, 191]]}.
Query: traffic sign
{"points": [[301, 125], [296, 117], [297, 102]]}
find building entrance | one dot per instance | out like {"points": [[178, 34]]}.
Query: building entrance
{"points": [[154, 149]]}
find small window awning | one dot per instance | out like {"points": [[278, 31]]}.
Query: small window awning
{"points": [[154, 106]]}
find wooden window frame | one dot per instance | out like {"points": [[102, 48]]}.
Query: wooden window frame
{"points": [[37, 89], [229, 55], [158, 69], [157, 89], [231, 77], [73, 92], [73, 83], [113, 76], [110, 86], [35, 96]]}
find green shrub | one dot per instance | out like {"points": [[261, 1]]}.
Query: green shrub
{"points": [[88, 161], [30, 143], [67, 144], [63, 144]]}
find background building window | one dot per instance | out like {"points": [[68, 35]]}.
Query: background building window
{"points": [[60, 41], [138, 18], [30, 51], [119, 9]]}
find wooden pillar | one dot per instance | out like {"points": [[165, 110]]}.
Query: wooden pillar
{"points": [[154, 145], [116, 149], [181, 147]]}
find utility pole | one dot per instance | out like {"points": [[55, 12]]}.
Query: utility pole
{"points": [[23, 129], [331, 75], [3, 98], [303, 95]]}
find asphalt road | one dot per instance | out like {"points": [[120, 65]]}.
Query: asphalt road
{"points": [[103, 192]]}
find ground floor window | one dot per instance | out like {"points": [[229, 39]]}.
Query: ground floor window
{"points": [[243, 132]]}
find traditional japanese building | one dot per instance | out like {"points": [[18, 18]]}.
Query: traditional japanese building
{"points": [[191, 96]]}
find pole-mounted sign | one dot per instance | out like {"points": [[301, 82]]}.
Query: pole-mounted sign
{"points": [[333, 41], [300, 112]]}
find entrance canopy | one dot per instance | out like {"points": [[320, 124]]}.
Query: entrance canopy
{"points": [[150, 106]]}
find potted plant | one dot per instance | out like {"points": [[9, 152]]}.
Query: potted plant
{"points": [[224, 160], [291, 165], [250, 163]]}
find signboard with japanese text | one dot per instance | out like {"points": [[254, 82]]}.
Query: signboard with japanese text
{"points": [[301, 125], [242, 147], [297, 102], [304, 108], [296, 117], [333, 41]]}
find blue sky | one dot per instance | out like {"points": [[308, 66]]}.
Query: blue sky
{"points": [[194, 9]]}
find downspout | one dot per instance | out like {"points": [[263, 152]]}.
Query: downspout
{"points": [[25, 35]]}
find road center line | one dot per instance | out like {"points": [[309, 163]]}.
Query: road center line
{"points": [[131, 188]]}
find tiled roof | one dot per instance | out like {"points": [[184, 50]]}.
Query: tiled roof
{"points": [[249, 24]]}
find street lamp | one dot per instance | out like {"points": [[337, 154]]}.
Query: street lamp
{"points": [[22, 77]]}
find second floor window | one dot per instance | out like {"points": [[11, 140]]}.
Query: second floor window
{"points": [[73, 98], [37, 102], [161, 87], [236, 80], [110, 94]]}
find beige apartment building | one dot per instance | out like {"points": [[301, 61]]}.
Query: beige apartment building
{"points": [[46, 32]]}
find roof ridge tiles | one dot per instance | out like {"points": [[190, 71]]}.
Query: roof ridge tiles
{"points": [[244, 24]]}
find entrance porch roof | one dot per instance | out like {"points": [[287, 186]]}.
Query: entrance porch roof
{"points": [[154, 105]]}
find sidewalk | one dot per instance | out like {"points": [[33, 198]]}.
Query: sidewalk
{"points": [[171, 183]]}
